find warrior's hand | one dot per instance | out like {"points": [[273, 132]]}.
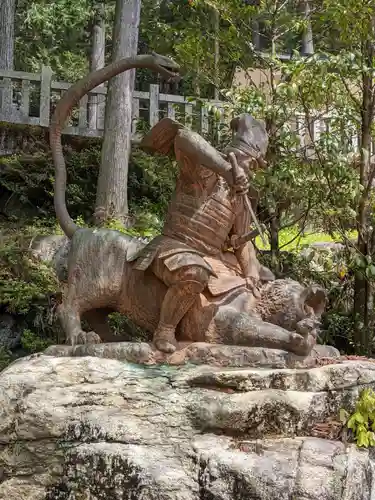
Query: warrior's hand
{"points": [[252, 284], [241, 181]]}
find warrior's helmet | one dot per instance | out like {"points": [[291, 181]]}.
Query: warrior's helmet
{"points": [[249, 137]]}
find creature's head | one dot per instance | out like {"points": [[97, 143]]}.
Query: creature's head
{"points": [[162, 64], [289, 304], [249, 143]]}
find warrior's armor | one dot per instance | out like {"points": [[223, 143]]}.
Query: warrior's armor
{"points": [[203, 214]]}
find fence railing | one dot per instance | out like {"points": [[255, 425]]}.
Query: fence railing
{"points": [[29, 99]]}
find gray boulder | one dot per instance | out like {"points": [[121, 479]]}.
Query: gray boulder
{"points": [[10, 332], [94, 428]]}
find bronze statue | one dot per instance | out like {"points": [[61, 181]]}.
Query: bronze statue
{"points": [[188, 282]]}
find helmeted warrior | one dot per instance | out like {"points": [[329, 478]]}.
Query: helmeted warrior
{"points": [[207, 212]]}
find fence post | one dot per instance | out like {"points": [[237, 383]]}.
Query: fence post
{"points": [[45, 96], [135, 115], [204, 120], [6, 96], [154, 104]]}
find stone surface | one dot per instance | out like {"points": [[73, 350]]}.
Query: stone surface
{"points": [[10, 332], [198, 353], [86, 428]]}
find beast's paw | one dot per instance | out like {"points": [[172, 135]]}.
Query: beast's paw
{"points": [[81, 337], [164, 346], [89, 338], [302, 345], [308, 326]]}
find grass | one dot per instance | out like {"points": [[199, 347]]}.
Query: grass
{"points": [[292, 241]]}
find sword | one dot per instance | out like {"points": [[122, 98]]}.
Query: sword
{"points": [[260, 228]]}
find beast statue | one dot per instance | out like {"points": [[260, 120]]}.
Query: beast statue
{"points": [[200, 279]]}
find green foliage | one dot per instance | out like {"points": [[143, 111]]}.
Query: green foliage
{"points": [[30, 180], [24, 282], [337, 330], [29, 289], [362, 421], [322, 194], [53, 34], [125, 328], [151, 182], [5, 358], [32, 342]]}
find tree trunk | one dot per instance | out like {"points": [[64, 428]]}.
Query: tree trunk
{"points": [[112, 196], [7, 13], [216, 19], [97, 59], [362, 287], [307, 35]]}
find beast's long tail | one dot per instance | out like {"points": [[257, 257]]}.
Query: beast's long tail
{"points": [[157, 63]]}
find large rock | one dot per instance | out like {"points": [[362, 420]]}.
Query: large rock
{"points": [[10, 332], [200, 353], [89, 428]]}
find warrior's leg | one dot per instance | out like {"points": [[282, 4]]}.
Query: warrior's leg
{"points": [[236, 328], [185, 285]]}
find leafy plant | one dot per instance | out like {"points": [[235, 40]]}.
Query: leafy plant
{"points": [[32, 342], [362, 421], [125, 328], [5, 358], [23, 280]]}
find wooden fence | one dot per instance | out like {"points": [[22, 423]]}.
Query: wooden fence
{"points": [[29, 99]]}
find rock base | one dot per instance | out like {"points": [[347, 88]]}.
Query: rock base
{"points": [[90, 428], [200, 353]]}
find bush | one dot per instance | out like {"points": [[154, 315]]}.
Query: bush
{"points": [[28, 180], [5, 358], [32, 342], [29, 289], [361, 422]]}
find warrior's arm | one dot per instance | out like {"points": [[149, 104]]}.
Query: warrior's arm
{"points": [[168, 137], [202, 153], [245, 253]]}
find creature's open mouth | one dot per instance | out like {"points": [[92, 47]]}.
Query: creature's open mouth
{"points": [[170, 71]]}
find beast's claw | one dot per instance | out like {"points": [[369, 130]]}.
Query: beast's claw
{"points": [[302, 345], [82, 337], [164, 346]]}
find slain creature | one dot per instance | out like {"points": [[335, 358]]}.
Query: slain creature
{"points": [[220, 297]]}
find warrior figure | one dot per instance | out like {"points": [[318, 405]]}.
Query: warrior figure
{"points": [[207, 213]]}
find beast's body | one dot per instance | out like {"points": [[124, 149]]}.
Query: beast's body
{"points": [[111, 282]]}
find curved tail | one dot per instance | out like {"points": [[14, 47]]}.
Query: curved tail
{"points": [[155, 62]]}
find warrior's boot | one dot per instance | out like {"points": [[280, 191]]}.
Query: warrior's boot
{"points": [[184, 287]]}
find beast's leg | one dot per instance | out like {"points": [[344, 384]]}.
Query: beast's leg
{"points": [[70, 318], [186, 284], [236, 328]]}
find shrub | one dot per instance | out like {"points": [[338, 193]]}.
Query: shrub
{"points": [[362, 421], [32, 342], [5, 358], [28, 288]]}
